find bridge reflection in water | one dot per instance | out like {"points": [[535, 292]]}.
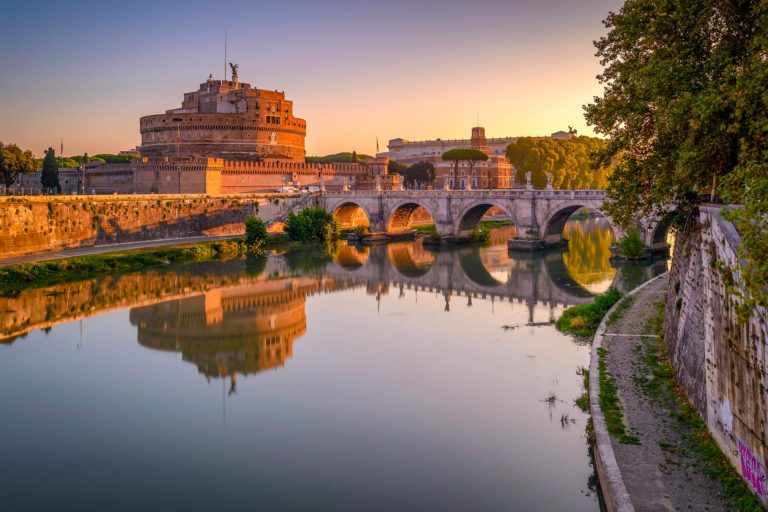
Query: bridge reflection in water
{"points": [[227, 321]]}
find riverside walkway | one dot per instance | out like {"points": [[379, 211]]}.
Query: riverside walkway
{"points": [[662, 471]]}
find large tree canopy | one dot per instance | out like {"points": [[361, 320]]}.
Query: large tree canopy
{"points": [[569, 161], [421, 172], [13, 162], [684, 106]]}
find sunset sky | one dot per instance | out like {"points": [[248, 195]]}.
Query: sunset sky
{"points": [[356, 70]]}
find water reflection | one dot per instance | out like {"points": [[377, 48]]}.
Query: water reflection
{"points": [[588, 256], [243, 329], [397, 389], [562, 277]]}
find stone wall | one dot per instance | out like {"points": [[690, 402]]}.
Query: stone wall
{"points": [[51, 223], [720, 359]]}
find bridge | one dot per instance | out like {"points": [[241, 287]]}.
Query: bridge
{"points": [[538, 215]]}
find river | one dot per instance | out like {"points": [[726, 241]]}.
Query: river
{"points": [[384, 378]]}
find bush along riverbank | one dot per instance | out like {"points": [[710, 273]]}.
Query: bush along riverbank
{"points": [[584, 319]]}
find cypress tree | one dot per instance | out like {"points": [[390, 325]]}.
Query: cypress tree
{"points": [[50, 175]]}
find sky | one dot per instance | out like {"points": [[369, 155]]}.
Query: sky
{"points": [[355, 70]]}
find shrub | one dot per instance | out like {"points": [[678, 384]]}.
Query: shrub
{"points": [[632, 245], [584, 319], [480, 233], [255, 232], [311, 224]]}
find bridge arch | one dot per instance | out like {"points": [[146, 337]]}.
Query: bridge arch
{"points": [[400, 217], [554, 222], [474, 212], [351, 214]]}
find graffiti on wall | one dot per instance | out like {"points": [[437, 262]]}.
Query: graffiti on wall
{"points": [[752, 470]]}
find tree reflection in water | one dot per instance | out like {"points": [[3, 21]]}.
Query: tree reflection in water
{"points": [[588, 258]]}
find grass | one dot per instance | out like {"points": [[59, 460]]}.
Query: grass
{"points": [[14, 278], [696, 437], [491, 224], [609, 402], [582, 402], [584, 319]]}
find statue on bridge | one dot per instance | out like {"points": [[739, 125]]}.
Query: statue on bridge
{"points": [[549, 181], [528, 184]]}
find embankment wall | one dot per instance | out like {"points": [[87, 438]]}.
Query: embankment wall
{"points": [[719, 357], [49, 223]]}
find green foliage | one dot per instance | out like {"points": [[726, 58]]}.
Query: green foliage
{"points": [[570, 162], [464, 154], [421, 172], [685, 108], [480, 233], [67, 162], [311, 224], [14, 162], [582, 402], [395, 168], [337, 158], [114, 159], [609, 402], [255, 233], [50, 175], [632, 245], [584, 319]]}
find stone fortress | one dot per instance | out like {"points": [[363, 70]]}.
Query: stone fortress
{"points": [[228, 120], [226, 138]]}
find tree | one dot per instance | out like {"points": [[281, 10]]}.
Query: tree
{"points": [[395, 168], [311, 224], [569, 160], [255, 233], [471, 156], [14, 162], [421, 172], [354, 157], [684, 106], [50, 175]]}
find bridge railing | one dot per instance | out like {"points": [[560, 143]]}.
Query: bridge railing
{"points": [[560, 194]]}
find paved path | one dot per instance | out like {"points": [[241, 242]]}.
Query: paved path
{"points": [[661, 473], [101, 249]]}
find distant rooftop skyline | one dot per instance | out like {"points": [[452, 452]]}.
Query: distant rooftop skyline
{"points": [[355, 71]]}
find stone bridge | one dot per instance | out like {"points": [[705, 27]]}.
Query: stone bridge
{"points": [[538, 215]]}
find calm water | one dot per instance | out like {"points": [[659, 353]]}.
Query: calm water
{"points": [[381, 380]]}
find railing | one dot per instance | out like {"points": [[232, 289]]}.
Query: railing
{"points": [[565, 194]]}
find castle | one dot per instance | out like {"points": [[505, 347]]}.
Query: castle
{"points": [[226, 138], [229, 120]]}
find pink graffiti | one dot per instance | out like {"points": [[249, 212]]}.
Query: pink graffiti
{"points": [[752, 470]]}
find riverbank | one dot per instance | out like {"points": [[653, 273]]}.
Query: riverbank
{"points": [[652, 452], [54, 268]]}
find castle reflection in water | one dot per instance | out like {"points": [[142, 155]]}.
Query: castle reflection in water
{"points": [[242, 317]]}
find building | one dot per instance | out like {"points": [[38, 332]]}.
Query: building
{"points": [[408, 152], [495, 173], [226, 119], [227, 138]]}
